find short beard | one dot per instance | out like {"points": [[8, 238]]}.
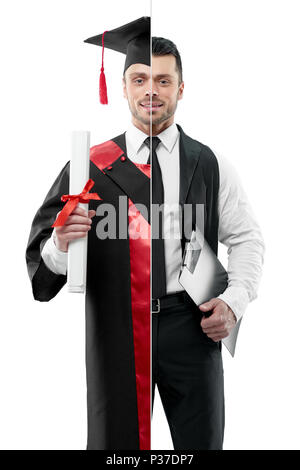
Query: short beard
{"points": [[164, 116], [152, 121]]}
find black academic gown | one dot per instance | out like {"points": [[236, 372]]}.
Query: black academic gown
{"points": [[118, 284], [117, 298]]}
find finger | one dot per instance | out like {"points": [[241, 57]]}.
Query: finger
{"points": [[206, 306], [78, 219], [92, 213], [217, 338], [76, 228], [214, 330], [217, 334], [79, 211], [207, 325], [210, 322], [217, 319], [75, 235]]}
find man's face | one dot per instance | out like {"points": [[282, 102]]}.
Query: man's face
{"points": [[164, 89]]}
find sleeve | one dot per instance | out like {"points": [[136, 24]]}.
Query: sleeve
{"points": [[54, 259], [239, 231], [46, 283]]}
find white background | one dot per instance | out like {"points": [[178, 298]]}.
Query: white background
{"points": [[242, 98]]}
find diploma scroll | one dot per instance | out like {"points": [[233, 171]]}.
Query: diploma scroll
{"points": [[79, 174]]}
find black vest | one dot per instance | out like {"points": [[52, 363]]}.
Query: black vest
{"points": [[199, 184]]}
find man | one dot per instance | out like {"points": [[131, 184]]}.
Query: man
{"points": [[186, 341], [186, 361], [186, 348], [117, 295]]}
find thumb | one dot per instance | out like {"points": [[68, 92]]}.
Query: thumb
{"points": [[91, 213], [208, 305]]}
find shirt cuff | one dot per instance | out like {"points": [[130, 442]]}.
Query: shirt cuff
{"points": [[237, 299], [55, 259]]}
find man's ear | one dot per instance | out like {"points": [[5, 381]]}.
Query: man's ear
{"points": [[124, 87], [180, 91]]}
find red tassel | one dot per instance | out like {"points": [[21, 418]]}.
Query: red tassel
{"points": [[102, 88], [102, 81]]}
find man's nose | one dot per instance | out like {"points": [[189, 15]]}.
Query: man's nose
{"points": [[152, 92]]}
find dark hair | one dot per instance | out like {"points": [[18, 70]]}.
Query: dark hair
{"points": [[162, 46]]}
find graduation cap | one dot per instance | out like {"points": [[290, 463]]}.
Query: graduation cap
{"points": [[132, 39]]}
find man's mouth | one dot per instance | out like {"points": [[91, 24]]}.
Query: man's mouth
{"points": [[151, 106]]}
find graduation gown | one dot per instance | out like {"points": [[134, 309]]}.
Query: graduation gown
{"points": [[117, 301]]}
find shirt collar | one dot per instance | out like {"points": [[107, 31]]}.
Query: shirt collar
{"points": [[169, 137], [136, 137]]}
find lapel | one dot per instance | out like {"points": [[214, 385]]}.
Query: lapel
{"points": [[129, 177], [121, 142], [188, 160]]}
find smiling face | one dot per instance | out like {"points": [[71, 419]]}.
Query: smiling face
{"points": [[153, 101]]}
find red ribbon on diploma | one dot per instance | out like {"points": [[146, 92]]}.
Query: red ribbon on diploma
{"points": [[84, 197]]}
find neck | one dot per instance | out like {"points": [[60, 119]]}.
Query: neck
{"points": [[160, 127], [156, 128]]}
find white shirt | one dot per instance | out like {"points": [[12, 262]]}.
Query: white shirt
{"points": [[238, 228]]}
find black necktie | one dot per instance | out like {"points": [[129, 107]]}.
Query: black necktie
{"points": [[158, 268]]}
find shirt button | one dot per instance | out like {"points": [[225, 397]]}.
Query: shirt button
{"points": [[109, 168], [123, 159]]}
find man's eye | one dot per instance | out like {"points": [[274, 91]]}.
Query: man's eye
{"points": [[164, 82], [138, 81]]}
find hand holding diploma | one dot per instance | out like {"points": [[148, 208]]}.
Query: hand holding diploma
{"points": [[76, 226], [74, 221]]}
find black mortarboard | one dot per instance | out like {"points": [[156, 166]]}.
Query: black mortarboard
{"points": [[132, 39]]}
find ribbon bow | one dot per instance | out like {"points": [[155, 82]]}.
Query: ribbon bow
{"points": [[84, 197]]}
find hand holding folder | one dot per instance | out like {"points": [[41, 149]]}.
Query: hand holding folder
{"points": [[203, 277]]}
